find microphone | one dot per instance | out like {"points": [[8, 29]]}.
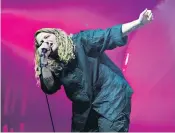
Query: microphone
{"points": [[43, 60], [44, 50]]}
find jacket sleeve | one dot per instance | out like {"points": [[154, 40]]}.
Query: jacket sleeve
{"points": [[50, 85], [97, 41]]}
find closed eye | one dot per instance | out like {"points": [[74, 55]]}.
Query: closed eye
{"points": [[41, 42]]}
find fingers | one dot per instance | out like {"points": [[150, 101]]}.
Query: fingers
{"points": [[144, 11], [150, 17], [148, 14]]}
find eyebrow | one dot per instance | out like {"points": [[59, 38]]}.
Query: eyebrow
{"points": [[46, 36]]}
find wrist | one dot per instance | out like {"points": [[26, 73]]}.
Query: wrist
{"points": [[45, 71], [44, 65], [43, 55], [43, 61], [139, 22]]}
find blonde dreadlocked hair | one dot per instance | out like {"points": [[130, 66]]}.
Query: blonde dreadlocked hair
{"points": [[65, 49]]}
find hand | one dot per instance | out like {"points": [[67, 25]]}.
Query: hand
{"points": [[145, 17], [44, 51]]}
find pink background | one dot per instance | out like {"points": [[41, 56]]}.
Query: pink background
{"points": [[149, 69]]}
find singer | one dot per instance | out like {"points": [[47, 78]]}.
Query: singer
{"points": [[100, 94]]}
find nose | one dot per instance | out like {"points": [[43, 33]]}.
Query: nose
{"points": [[48, 43]]}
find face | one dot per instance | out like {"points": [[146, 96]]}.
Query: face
{"points": [[47, 40]]}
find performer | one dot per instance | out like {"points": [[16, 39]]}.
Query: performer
{"points": [[100, 95]]}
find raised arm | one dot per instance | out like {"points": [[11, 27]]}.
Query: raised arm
{"points": [[144, 18], [97, 41]]}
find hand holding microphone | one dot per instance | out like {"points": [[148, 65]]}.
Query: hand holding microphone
{"points": [[44, 51]]}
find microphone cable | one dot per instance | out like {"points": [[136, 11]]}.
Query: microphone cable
{"points": [[44, 50], [50, 114]]}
